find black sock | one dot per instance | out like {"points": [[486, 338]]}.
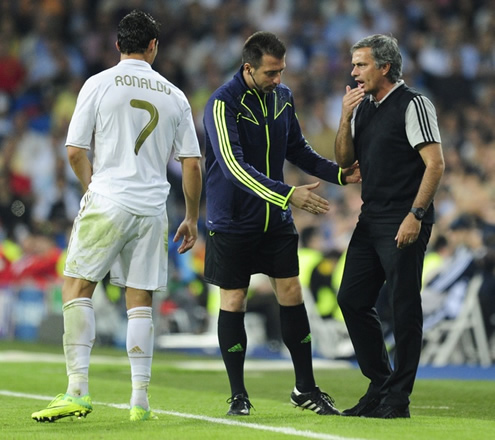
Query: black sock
{"points": [[297, 337], [233, 341]]}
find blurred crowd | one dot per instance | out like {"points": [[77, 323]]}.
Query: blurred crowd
{"points": [[49, 47]]}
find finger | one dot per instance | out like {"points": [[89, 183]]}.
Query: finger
{"points": [[317, 200], [357, 100], [187, 244], [316, 209], [317, 203], [183, 249], [313, 185], [323, 203], [323, 207], [308, 207]]}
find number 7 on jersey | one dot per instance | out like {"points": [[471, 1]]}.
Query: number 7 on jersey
{"points": [[150, 126]]}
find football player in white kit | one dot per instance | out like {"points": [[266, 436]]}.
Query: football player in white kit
{"points": [[138, 120]]}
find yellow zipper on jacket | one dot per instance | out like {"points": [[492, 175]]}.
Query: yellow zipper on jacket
{"points": [[264, 109]]}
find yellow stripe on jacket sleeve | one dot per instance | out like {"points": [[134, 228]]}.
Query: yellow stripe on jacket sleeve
{"points": [[234, 167]]}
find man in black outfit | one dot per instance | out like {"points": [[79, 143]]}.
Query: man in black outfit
{"points": [[392, 131]]}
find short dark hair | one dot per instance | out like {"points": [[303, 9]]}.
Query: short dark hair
{"points": [[384, 50], [135, 31], [259, 44]]}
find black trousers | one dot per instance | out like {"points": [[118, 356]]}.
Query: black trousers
{"points": [[373, 259]]}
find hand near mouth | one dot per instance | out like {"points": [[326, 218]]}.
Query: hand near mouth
{"points": [[352, 99]]}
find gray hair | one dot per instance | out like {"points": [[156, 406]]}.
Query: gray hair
{"points": [[384, 50]]}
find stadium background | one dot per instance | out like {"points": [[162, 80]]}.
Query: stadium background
{"points": [[49, 47]]}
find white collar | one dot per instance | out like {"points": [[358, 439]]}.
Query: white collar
{"points": [[377, 103]]}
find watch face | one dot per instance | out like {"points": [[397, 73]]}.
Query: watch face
{"points": [[419, 213]]}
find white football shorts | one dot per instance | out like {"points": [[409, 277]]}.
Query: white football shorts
{"points": [[105, 237]]}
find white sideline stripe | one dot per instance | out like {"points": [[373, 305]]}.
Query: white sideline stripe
{"points": [[204, 365], [24, 356], [429, 407], [256, 426]]}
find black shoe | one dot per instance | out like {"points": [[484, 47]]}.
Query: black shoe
{"points": [[318, 401], [384, 411], [366, 404], [239, 405]]}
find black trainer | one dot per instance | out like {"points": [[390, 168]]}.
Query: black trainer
{"points": [[239, 405], [366, 404], [318, 401], [384, 411]]}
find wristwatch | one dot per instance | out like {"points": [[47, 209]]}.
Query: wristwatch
{"points": [[419, 213]]}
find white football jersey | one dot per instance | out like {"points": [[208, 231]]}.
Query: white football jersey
{"points": [[139, 119]]}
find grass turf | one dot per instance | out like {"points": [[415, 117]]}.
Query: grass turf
{"points": [[191, 403]]}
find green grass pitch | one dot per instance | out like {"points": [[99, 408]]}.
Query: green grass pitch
{"points": [[189, 398]]}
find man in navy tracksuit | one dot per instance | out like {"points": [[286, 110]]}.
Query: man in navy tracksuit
{"points": [[251, 129]]}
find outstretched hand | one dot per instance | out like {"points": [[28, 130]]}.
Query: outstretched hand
{"points": [[352, 174], [304, 198], [188, 230]]}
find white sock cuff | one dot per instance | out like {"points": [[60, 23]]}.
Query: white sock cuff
{"points": [[139, 312], [86, 302]]}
